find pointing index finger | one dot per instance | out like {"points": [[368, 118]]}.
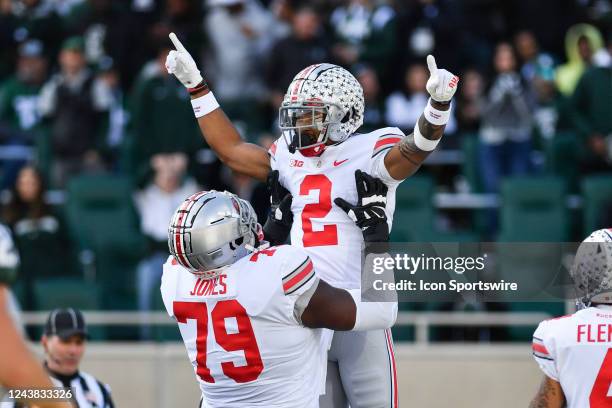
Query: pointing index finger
{"points": [[176, 42], [431, 64]]}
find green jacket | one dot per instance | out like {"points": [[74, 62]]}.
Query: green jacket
{"points": [[592, 102], [162, 122]]}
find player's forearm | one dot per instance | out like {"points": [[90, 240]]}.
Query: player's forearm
{"points": [[217, 129], [550, 395], [224, 139], [405, 158]]}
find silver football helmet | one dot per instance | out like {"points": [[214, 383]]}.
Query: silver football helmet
{"points": [[592, 269], [325, 98], [211, 230]]}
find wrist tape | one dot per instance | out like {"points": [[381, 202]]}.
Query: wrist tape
{"points": [[204, 104], [421, 142], [435, 116]]}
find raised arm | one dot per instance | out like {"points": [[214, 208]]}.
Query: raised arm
{"points": [[238, 155], [405, 158], [216, 128]]}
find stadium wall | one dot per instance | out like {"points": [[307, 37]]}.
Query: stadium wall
{"points": [[158, 375]]}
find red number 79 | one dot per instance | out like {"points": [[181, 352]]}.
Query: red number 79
{"points": [[244, 339]]}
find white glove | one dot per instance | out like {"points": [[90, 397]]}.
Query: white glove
{"points": [[181, 64], [441, 84]]}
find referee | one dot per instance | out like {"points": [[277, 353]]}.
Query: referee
{"points": [[64, 342]]}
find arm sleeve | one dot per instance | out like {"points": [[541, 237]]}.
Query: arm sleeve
{"points": [[373, 315], [543, 350]]}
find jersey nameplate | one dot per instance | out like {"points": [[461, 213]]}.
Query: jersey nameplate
{"points": [[221, 287]]}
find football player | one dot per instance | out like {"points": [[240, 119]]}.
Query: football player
{"points": [[251, 315], [321, 112], [575, 351]]}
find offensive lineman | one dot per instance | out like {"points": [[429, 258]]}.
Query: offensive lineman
{"points": [[321, 112], [575, 351], [245, 309]]}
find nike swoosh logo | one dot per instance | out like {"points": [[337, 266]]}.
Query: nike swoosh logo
{"points": [[337, 163]]}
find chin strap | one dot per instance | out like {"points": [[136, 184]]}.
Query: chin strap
{"points": [[262, 245], [210, 274]]}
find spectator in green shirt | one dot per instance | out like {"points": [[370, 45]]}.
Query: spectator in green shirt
{"points": [[19, 117], [162, 120], [592, 115]]}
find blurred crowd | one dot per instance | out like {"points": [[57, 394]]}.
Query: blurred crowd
{"points": [[84, 90]]}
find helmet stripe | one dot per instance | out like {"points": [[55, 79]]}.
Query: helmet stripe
{"points": [[303, 75], [190, 203], [179, 232], [319, 69]]}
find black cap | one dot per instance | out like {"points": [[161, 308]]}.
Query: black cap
{"points": [[65, 323]]}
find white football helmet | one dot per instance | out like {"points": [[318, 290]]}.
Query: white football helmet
{"points": [[323, 98], [211, 230], [592, 269]]}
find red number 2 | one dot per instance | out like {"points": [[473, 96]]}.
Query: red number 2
{"points": [[329, 234], [599, 392], [244, 339]]}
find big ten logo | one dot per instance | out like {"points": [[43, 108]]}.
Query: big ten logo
{"points": [[296, 163]]}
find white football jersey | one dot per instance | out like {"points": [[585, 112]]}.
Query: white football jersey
{"points": [[576, 351], [331, 239], [241, 335]]}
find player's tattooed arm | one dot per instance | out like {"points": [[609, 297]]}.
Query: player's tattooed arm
{"points": [[405, 158], [550, 395]]}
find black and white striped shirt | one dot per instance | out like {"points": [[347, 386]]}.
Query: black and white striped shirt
{"points": [[88, 391]]}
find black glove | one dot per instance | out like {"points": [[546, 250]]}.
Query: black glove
{"points": [[278, 225], [369, 213]]}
